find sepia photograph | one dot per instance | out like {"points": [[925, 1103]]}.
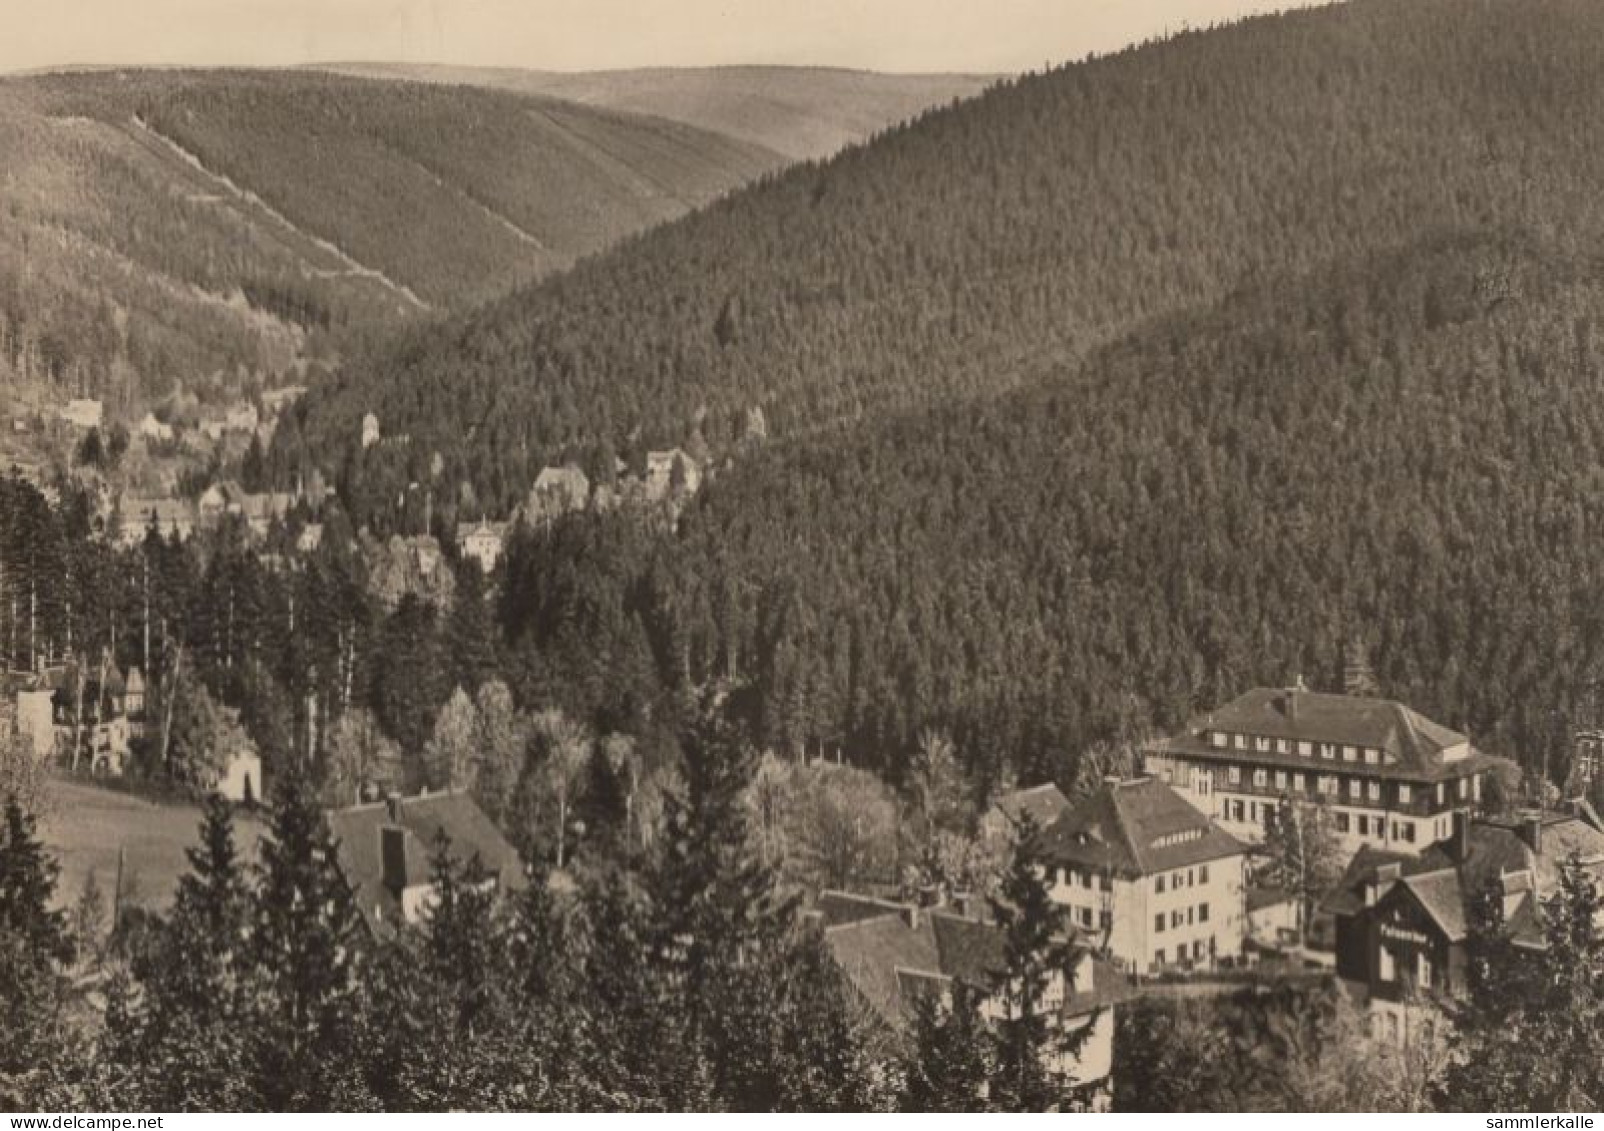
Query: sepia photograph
{"points": [[760, 556]]}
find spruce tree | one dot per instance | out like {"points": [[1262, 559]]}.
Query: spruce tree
{"points": [[1031, 1044], [305, 949], [949, 1065]]}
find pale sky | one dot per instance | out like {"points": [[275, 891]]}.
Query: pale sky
{"points": [[571, 35]]}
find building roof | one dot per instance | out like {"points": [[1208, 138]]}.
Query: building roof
{"points": [[1412, 746], [1447, 878], [1136, 828], [357, 832], [1044, 804], [890, 952]]}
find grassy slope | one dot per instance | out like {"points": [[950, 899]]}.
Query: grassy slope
{"points": [[805, 113], [86, 827]]}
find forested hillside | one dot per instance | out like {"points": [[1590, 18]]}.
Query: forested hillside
{"points": [[997, 241], [806, 113], [206, 227]]}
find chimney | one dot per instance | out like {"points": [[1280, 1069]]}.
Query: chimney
{"points": [[392, 802], [393, 854], [1515, 887], [1531, 831], [1458, 846], [1378, 885], [1289, 700]]}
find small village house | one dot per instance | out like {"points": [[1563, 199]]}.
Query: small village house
{"points": [[83, 412], [556, 492], [1042, 804], [892, 952], [386, 847], [481, 542], [1152, 879], [1391, 777], [153, 430], [1403, 919], [671, 472]]}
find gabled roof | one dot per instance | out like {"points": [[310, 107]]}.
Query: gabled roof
{"points": [[893, 955], [1136, 828], [1044, 804], [1413, 746], [358, 831]]}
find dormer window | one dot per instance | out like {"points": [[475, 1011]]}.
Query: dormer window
{"points": [[1305, 749], [1372, 755], [1218, 739], [1241, 741], [1281, 746], [1327, 751], [1350, 753], [1262, 744]]}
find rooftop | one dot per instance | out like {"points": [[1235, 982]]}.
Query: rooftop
{"points": [[1044, 804], [358, 833], [1411, 745], [1135, 828]]}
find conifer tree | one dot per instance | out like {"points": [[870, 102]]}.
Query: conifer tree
{"points": [[305, 952], [949, 1065], [189, 1035], [1031, 1044]]}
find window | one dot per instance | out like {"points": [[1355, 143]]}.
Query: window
{"points": [[1241, 742], [1327, 751], [1158, 885], [1105, 919], [1280, 779], [1158, 925], [1375, 791], [1388, 971], [1175, 918], [1372, 755], [1355, 787], [1423, 971], [1440, 794], [1236, 811], [1202, 913], [1261, 777], [1464, 788], [1305, 749], [1406, 831], [1281, 746], [1086, 916], [1403, 793], [1262, 745], [1158, 957], [1234, 775], [1217, 739], [1342, 822], [1350, 753], [1297, 782], [1203, 874], [1364, 825]]}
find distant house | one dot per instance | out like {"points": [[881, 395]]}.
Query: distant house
{"points": [[892, 953], [385, 850], [1043, 804], [154, 430], [218, 500], [90, 705], [1161, 884], [370, 430], [481, 542], [34, 719], [275, 401], [310, 538], [557, 491], [1403, 919], [174, 518], [671, 472], [240, 779], [261, 509], [83, 413], [241, 418], [1275, 916]]}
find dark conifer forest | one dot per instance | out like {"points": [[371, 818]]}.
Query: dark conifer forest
{"points": [[1090, 402]]}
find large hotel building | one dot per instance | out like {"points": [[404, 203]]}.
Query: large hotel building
{"points": [[1392, 778]]}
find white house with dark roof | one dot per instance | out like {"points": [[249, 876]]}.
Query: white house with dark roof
{"points": [[1391, 777], [1158, 883], [890, 953], [385, 851]]}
